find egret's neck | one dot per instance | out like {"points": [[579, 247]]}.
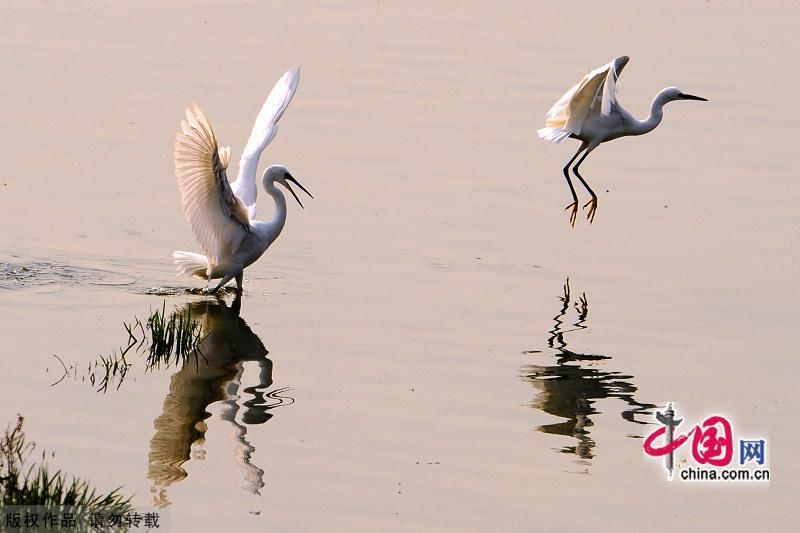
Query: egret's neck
{"points": [[274, 226], [656, 114]]}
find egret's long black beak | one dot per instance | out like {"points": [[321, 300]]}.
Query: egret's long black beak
{"points": [[685, 96], [289, 177]]}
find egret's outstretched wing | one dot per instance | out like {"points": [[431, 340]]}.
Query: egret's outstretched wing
{"points": [[264, 130], [596, 93], [218, 218]]}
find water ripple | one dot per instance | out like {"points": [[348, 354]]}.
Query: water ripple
{"points": [[43, 273]]}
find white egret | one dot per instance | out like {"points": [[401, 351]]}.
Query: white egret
{"points": [[222, 215], [589, 112]]}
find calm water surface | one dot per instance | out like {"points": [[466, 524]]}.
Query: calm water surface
{"points": [[429, 345]]}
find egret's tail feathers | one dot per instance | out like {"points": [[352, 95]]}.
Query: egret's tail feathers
{"points": [[190, 264], [554, 134]]}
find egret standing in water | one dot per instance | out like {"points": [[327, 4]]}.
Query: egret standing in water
{"points": [[222, 215], [590, 113]]}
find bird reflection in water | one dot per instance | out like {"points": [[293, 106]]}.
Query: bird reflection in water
{"points": [[215, 377], [570, 387]]}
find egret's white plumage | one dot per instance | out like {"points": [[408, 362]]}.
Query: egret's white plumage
{"points": [[217, 216], [596, 92], [222, 215], [590, 112], [264, 130]]}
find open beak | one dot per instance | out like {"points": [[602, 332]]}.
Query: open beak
{"points": [[289, 177], [685, 96]]}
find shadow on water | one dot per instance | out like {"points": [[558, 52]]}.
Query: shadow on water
{"points": [[570, 388], [216, 359], [228, 344]]}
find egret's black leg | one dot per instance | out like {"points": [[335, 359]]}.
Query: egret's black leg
{"points": [[239, 277], [593, 202], [574, 204], [222, 282]]}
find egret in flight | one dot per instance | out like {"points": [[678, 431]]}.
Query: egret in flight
{"points": [[589, 112], [221, 214]]}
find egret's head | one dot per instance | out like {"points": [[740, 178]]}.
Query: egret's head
{"points": [[280, 174], [673, 93]]}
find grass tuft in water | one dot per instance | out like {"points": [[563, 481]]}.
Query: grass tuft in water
{"points": [[179, 336], [113, 368], [166, 340], [38, 486]]}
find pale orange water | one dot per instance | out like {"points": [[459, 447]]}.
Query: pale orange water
{"points": [[401, 305]]}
